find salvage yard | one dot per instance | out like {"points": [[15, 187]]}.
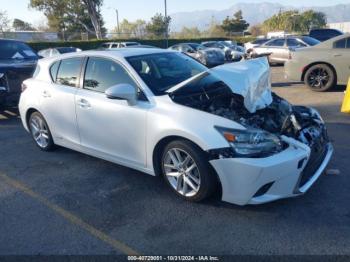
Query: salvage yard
{"points": [[65, 202]]}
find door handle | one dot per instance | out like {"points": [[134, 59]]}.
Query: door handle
{"points": [[84, 103], [46, 94], [337, 55]]}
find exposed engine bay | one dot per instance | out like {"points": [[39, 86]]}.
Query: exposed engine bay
{"points": [[280, 117]]}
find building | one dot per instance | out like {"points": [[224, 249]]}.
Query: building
{"points": [[342, 26], [27, 36]]}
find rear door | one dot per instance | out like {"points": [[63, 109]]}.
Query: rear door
{"points": [[340, 55], [278, 50], [58, 100]]}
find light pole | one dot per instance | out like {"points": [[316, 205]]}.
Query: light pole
{"points": [[116, 11], [166, 25]]}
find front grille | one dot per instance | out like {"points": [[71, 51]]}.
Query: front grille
{"points": [[317, 156]]}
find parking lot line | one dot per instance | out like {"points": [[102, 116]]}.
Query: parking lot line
{"points": [[116, 244]]}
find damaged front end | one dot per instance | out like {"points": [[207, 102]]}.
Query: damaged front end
{"points": [[245, 96]]}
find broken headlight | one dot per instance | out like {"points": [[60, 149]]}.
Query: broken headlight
{"points": [[252, 142]]}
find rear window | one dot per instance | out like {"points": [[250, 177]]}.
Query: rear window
{"points": [[310, 41], [16, 50], [69, 71]]}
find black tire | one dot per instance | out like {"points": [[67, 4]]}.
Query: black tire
{"points": [[49, 145], [208, 180], [320, 78]]}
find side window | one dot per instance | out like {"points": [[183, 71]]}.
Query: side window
{"points": [[54, 70], [276, 42], [294, 42], [68, 72], [114, 46], [340, 44], [101, 74]]}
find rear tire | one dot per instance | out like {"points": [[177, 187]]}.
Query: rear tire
{"points": [[187, 171], [320, 78], [40, 132]]}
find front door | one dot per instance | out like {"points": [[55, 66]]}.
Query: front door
{"points": [[111, 127]]}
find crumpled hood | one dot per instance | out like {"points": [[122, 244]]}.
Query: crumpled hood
{"points": [[250, 79]]}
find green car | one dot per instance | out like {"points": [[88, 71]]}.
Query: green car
{"points": [[323, 66]]}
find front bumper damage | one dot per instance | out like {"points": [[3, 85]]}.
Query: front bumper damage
{"points": [[261, 180]]}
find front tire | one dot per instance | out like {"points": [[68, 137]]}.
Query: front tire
{"points": [[320, 78], [186, 170], [40, 132]]}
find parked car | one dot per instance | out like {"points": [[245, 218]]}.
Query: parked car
{"points": [[57, 51], [249, 47], [280, 48], [323, 34], [164, 113], [234, 46], [110, 45], [141, 46], [17, 62], [231, 54], [207, 56], [323, 66]]}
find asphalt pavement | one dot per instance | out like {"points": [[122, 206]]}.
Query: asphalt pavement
{"points": [[64, 202]]}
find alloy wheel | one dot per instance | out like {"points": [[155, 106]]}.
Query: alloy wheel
{"points": [[40, 131], [318, 78], [182, 172]]}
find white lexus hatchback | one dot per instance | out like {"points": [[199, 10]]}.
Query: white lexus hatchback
{"points": [[165, 114]]}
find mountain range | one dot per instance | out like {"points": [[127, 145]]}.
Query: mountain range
{"points": [[254, 13]]}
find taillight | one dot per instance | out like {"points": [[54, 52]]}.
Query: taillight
{"points": [[23, 87], [290, 56]]}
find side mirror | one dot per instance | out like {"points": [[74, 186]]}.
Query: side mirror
{"points": [[124, 92]]}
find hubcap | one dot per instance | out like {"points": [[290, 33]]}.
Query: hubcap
{"points": [[39, 131], [182, 172], [318, 78]]}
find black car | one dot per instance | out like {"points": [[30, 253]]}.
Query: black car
{"points": [[17, 63], [323, 34]]}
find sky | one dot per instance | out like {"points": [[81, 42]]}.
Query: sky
{"points": [[134, 9]]}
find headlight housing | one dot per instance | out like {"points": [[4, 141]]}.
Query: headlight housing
{"points": [[251, 142]]}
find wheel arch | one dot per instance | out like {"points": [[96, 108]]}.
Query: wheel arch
{"points": [[159, 147], [28, 113], [318, 63]]}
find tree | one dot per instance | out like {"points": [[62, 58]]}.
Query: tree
{"points": [[158, 26], [20, 25], [135, 29], [311, 19], [256, 30], [235, 24], [67, 16], [293, 21], [188, 32], [4, 21], [94, 10], [214, 29]]}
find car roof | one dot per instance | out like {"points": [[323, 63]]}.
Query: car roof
{"points": [[329, 43], [118, 53]]}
